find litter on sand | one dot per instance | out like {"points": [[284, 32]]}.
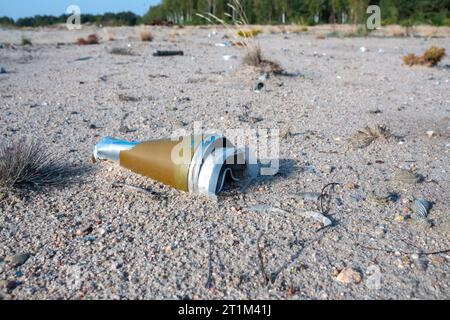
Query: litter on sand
{"points": [[422, 208], [229, 57], [167, 53], [259, 86], [196, 163]]}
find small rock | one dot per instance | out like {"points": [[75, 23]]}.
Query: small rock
{"points": [[431, 134], [373, 281], [85, 231], [407, 176], [380, 232], [2, 70], [18, 259], [11, 285], [437, 260], [349, 275]]}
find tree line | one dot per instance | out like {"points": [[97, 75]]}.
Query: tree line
{"points": [[126, 18], [307, 12]]}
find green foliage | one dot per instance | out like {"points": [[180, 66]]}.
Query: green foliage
{"points": [[127, 18], [304, 12], [307, 12]]}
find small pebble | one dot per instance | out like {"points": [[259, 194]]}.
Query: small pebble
{"points": [[349, 275], [18, 259]]}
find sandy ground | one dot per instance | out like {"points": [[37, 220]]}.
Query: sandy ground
{"points": [[93, 240]]}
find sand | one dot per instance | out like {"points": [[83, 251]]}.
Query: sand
{"points": [[96, 240]]}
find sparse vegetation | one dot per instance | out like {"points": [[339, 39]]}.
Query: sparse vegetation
{"points": [[91, 39], [363, 138], [430, 58], [146, 36], [249, 33], [254, 56], [26, 41], [24, 163]]}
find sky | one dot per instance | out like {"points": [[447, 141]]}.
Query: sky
{"points": [[26, 8]]}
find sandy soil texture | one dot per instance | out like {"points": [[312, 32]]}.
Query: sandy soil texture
{"points": [[98, 240]]}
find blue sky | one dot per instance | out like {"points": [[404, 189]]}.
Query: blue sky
{"points": [[25, 8]]}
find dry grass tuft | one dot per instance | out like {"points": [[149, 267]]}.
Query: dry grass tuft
{"points": [[91, 39], [255, 58], [146, 36], [363, 138], [26, 41], [430, 58], [24, 163], [249, 33]]}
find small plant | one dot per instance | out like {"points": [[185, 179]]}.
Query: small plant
{"points": [[146, 36], [254, 56], [26, 41], [91, 39], [24, 163], [430, 58], [363, 138], [249, 33]]}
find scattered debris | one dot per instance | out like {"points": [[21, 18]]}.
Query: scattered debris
{"points": [[223, 44], [11, 285], [127, 98], [373, 280], [407, 176], [266, 208], [85, 231], [229, 57], [423, 207], [91, 39], [209, 166], [430, 58], [84, 58], [259, 86], [349, 275], [375, 111], [309, 196], [305, 214], [154, 76], [18, 259], [384, 200], [326, 222], [167, 53], [363, 138], [121, 51]]}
